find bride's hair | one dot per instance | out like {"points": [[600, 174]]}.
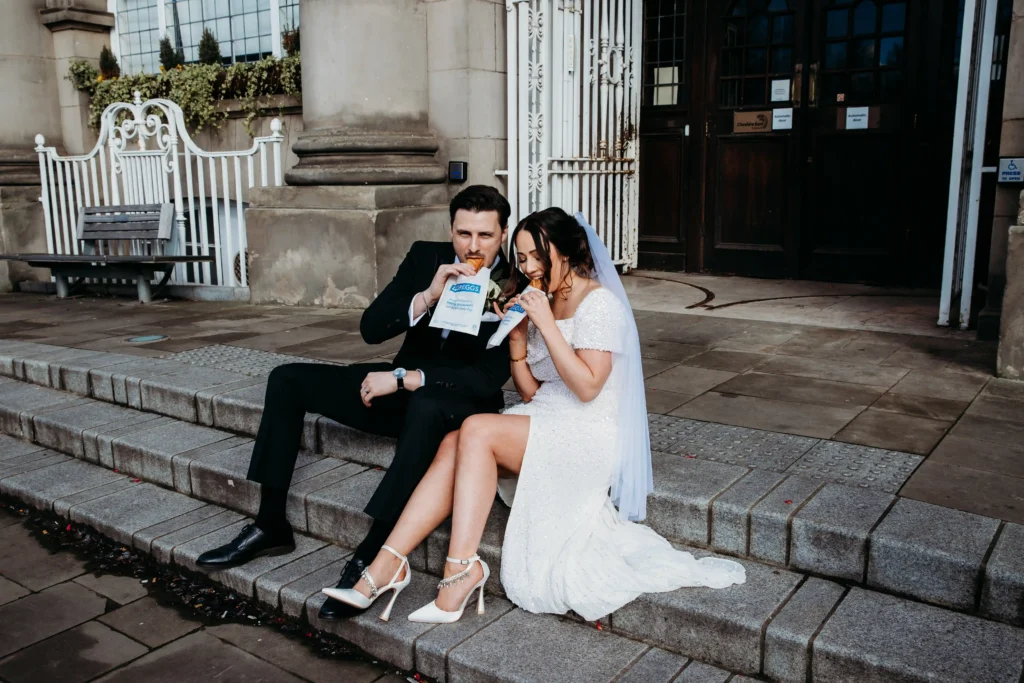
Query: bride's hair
{"points": [[553, 227]]}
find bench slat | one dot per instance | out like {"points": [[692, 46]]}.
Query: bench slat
{"points": [[123, 218], [148, 208], [122, 235]]}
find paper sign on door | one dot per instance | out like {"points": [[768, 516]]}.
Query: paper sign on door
{"points": [[857, 118], [780, 90], [782, 119]]}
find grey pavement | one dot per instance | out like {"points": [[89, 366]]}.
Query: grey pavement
{"points": [[60, 623]]}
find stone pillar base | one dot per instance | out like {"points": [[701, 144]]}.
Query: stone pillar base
{"points": [[22, 230], [336, 246], [1010, 363]]}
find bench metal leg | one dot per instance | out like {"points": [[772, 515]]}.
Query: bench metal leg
{"points": [[145, 294], [62, 286]]}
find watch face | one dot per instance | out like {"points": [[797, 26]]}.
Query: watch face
{"points": [[399, 373]]}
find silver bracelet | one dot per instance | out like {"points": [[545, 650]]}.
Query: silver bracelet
{"points": [[425, 304]]}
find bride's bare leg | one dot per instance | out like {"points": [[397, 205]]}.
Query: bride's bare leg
{"points": [[430, 504], [486, 442]]}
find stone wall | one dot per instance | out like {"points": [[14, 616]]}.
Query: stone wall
{"points": [[1010, 363]]}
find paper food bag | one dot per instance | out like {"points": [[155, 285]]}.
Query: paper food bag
{"points": [[462, 303], [513, 316]]}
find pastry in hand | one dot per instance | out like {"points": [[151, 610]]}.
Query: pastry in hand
{"points": [[477, 263], [537, 284]]}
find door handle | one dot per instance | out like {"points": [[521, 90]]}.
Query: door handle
{"points": [[814, 85], [796, 90]]}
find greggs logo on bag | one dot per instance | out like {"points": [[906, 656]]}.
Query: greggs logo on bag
{"points": [[469, 287]]}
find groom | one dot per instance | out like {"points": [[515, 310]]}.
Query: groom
{"points": [[437, 380]]}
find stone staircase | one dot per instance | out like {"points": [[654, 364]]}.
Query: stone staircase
{"points": [[844, 583]]}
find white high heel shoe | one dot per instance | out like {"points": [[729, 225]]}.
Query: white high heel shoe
{"points": [[350, 596], [432, 614]]}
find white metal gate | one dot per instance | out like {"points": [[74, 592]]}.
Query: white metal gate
{"points": [[573, 111], [144, 155]]}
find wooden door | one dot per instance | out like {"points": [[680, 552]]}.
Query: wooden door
{"points": [[671, 132], [754, 164], [862, 137]]}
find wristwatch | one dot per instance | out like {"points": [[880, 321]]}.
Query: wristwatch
{"points": [[399, 374]]}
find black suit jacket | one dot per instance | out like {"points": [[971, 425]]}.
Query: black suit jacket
{"points": [[461, 363]]}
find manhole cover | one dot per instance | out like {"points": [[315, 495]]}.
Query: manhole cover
{"points": [[147, 338]]}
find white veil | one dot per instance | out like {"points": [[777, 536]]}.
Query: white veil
{"points": [[634, 480]]}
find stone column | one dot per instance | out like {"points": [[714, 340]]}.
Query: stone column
{"points": [[368, 182], [28, 89], [1011, 143], [1010, 363]]}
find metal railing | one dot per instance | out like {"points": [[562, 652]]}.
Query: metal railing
{"points": [[144, 155]]}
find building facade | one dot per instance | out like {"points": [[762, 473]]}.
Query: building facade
{"points": [[768, 138]]}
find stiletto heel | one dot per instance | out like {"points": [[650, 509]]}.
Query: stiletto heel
{"points": [[432, 614], [350, 596]]}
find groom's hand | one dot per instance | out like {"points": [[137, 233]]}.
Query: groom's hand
{"points": [[433, 293], [377, 384]]}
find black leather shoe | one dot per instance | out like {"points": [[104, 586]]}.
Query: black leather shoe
{"points": [[335, 609], [251, 543]]}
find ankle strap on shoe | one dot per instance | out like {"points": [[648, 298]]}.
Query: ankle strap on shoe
{"points": [[475, 558], [394, 552]]}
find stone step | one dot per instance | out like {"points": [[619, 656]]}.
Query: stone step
{"points": [[932, 554], [779, 625]]}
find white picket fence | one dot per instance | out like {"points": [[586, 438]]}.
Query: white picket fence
{"points": [[573, 111], [144, 155]]}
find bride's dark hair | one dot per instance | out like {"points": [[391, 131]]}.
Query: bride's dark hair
{"points": [[553, 227]]}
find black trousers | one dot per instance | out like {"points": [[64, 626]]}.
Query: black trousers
{"points": [[419, 419]]}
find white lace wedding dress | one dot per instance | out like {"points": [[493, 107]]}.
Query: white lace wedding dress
{"points": [[565, 547]]}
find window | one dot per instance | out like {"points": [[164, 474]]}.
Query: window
{"points": [[665, 77], [138, 28], [242, 27], [864, 51], [757, 46]]}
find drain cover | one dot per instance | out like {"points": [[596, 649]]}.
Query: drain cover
{"points": [[147, 338]]}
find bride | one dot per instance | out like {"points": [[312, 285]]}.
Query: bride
{"points": [[577, 448]]}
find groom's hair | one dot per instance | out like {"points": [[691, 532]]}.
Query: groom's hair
{"points": [[477, 198]]}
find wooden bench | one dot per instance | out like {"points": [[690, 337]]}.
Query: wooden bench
{"points": [[102, 231]]}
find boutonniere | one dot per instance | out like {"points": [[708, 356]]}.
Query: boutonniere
{"points": [[494, 294]]}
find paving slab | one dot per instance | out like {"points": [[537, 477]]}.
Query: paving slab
{"points": [[954, 386], [181, 464], [11, 591], [269, 585], [878, 638], [174, 394], [149, 622], [984, 428], [205, 398], [686, 379], [698, 672], [143, 538], [894, 431], [560, 651], [788, 638], [746, 447], [150, 453], [99, 441], [683, 620], [990, 494], [121, 514], [39, 369], [921, 406], [730, 512], [11, 447], [64, 429], [284, 652], [111, 383], [856, 465], [74, 375], [199, 657], [75, 656], [162, 547], [240, 410], [62, 506], [830, 534], [29, 564], [344, 442], [684, 489], [38, 616], [672, 434], [805, 419], [655, 666], [33, 461], [1002, 595], [932, 553], [41, 487], [120, 589], [336, 514], [980, 455], [19, 402], [802, 389]]}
